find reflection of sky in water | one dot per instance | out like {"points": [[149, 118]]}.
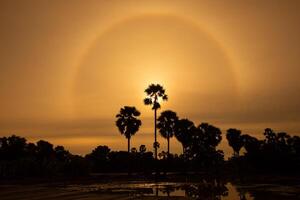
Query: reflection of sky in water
{"points": [[233, 194], [149, 190], [167, 189]]}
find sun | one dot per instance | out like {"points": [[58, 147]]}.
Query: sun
{"points": [[153, 49]]}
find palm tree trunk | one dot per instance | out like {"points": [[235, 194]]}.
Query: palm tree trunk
{"points": [[128, 145], [168, 138], [155, 139], [183, 152], [129, 157]]}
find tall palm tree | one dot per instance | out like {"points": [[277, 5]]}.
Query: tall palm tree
{"points": [[184, 131], [128, 122], [167, 124], [155, 93]]}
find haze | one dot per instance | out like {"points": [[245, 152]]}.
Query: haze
{"points": [[66, 68]]}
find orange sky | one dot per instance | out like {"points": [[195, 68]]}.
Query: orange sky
{"points": [[66, 67]]}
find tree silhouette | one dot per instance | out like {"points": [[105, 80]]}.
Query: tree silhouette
{"points": [[252, 145], [15, 146], [142, 148], [45, 150], [235, 140], [100, 152], [184, 131], [128, 123], [276, 153], [61, 154], [167, 125], [155, 93], [212, 135], [270, 136], [134, 150], [294, 142], [202, 146]]}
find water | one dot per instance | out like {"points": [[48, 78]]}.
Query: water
{"points": [[137, 190], [203, 190]]}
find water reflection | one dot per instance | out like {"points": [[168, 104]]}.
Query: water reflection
{"points": [[208, 190], [198, 191], [203, 190], [139, 190]]}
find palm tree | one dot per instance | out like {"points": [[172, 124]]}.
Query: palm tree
{"points": [[210, 134], [128, 122], [235, 140], [155, 93], [167, 124], [252, 145], [184, 131]]}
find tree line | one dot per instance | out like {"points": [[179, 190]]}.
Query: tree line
{"points": [[276, 152], [199, 142]]}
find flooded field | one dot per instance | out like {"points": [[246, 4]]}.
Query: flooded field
{"points": [[150, 190]]}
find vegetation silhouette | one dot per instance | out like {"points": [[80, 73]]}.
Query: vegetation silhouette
{"points": [[201, 148], [235, 140], [155, 93], [167, 125], [128, 123], [20, 159], [183, 133], [275, 153]]}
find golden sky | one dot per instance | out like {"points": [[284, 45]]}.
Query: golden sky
{"points": [[66, 67]]}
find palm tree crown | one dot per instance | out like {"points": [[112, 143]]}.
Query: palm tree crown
{"points": [[167, 124], [235, 140], [210, 134], [127, 122], [155, 92], [184, 131]]}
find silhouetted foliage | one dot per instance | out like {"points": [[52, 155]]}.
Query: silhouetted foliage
{"points": [[235, 140], [252, 145], [155, 93], [184, 131], [99, 158], [275, 153], [19, 158], [167, 125], [142, 149], [201, 147], [128, 123]]}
